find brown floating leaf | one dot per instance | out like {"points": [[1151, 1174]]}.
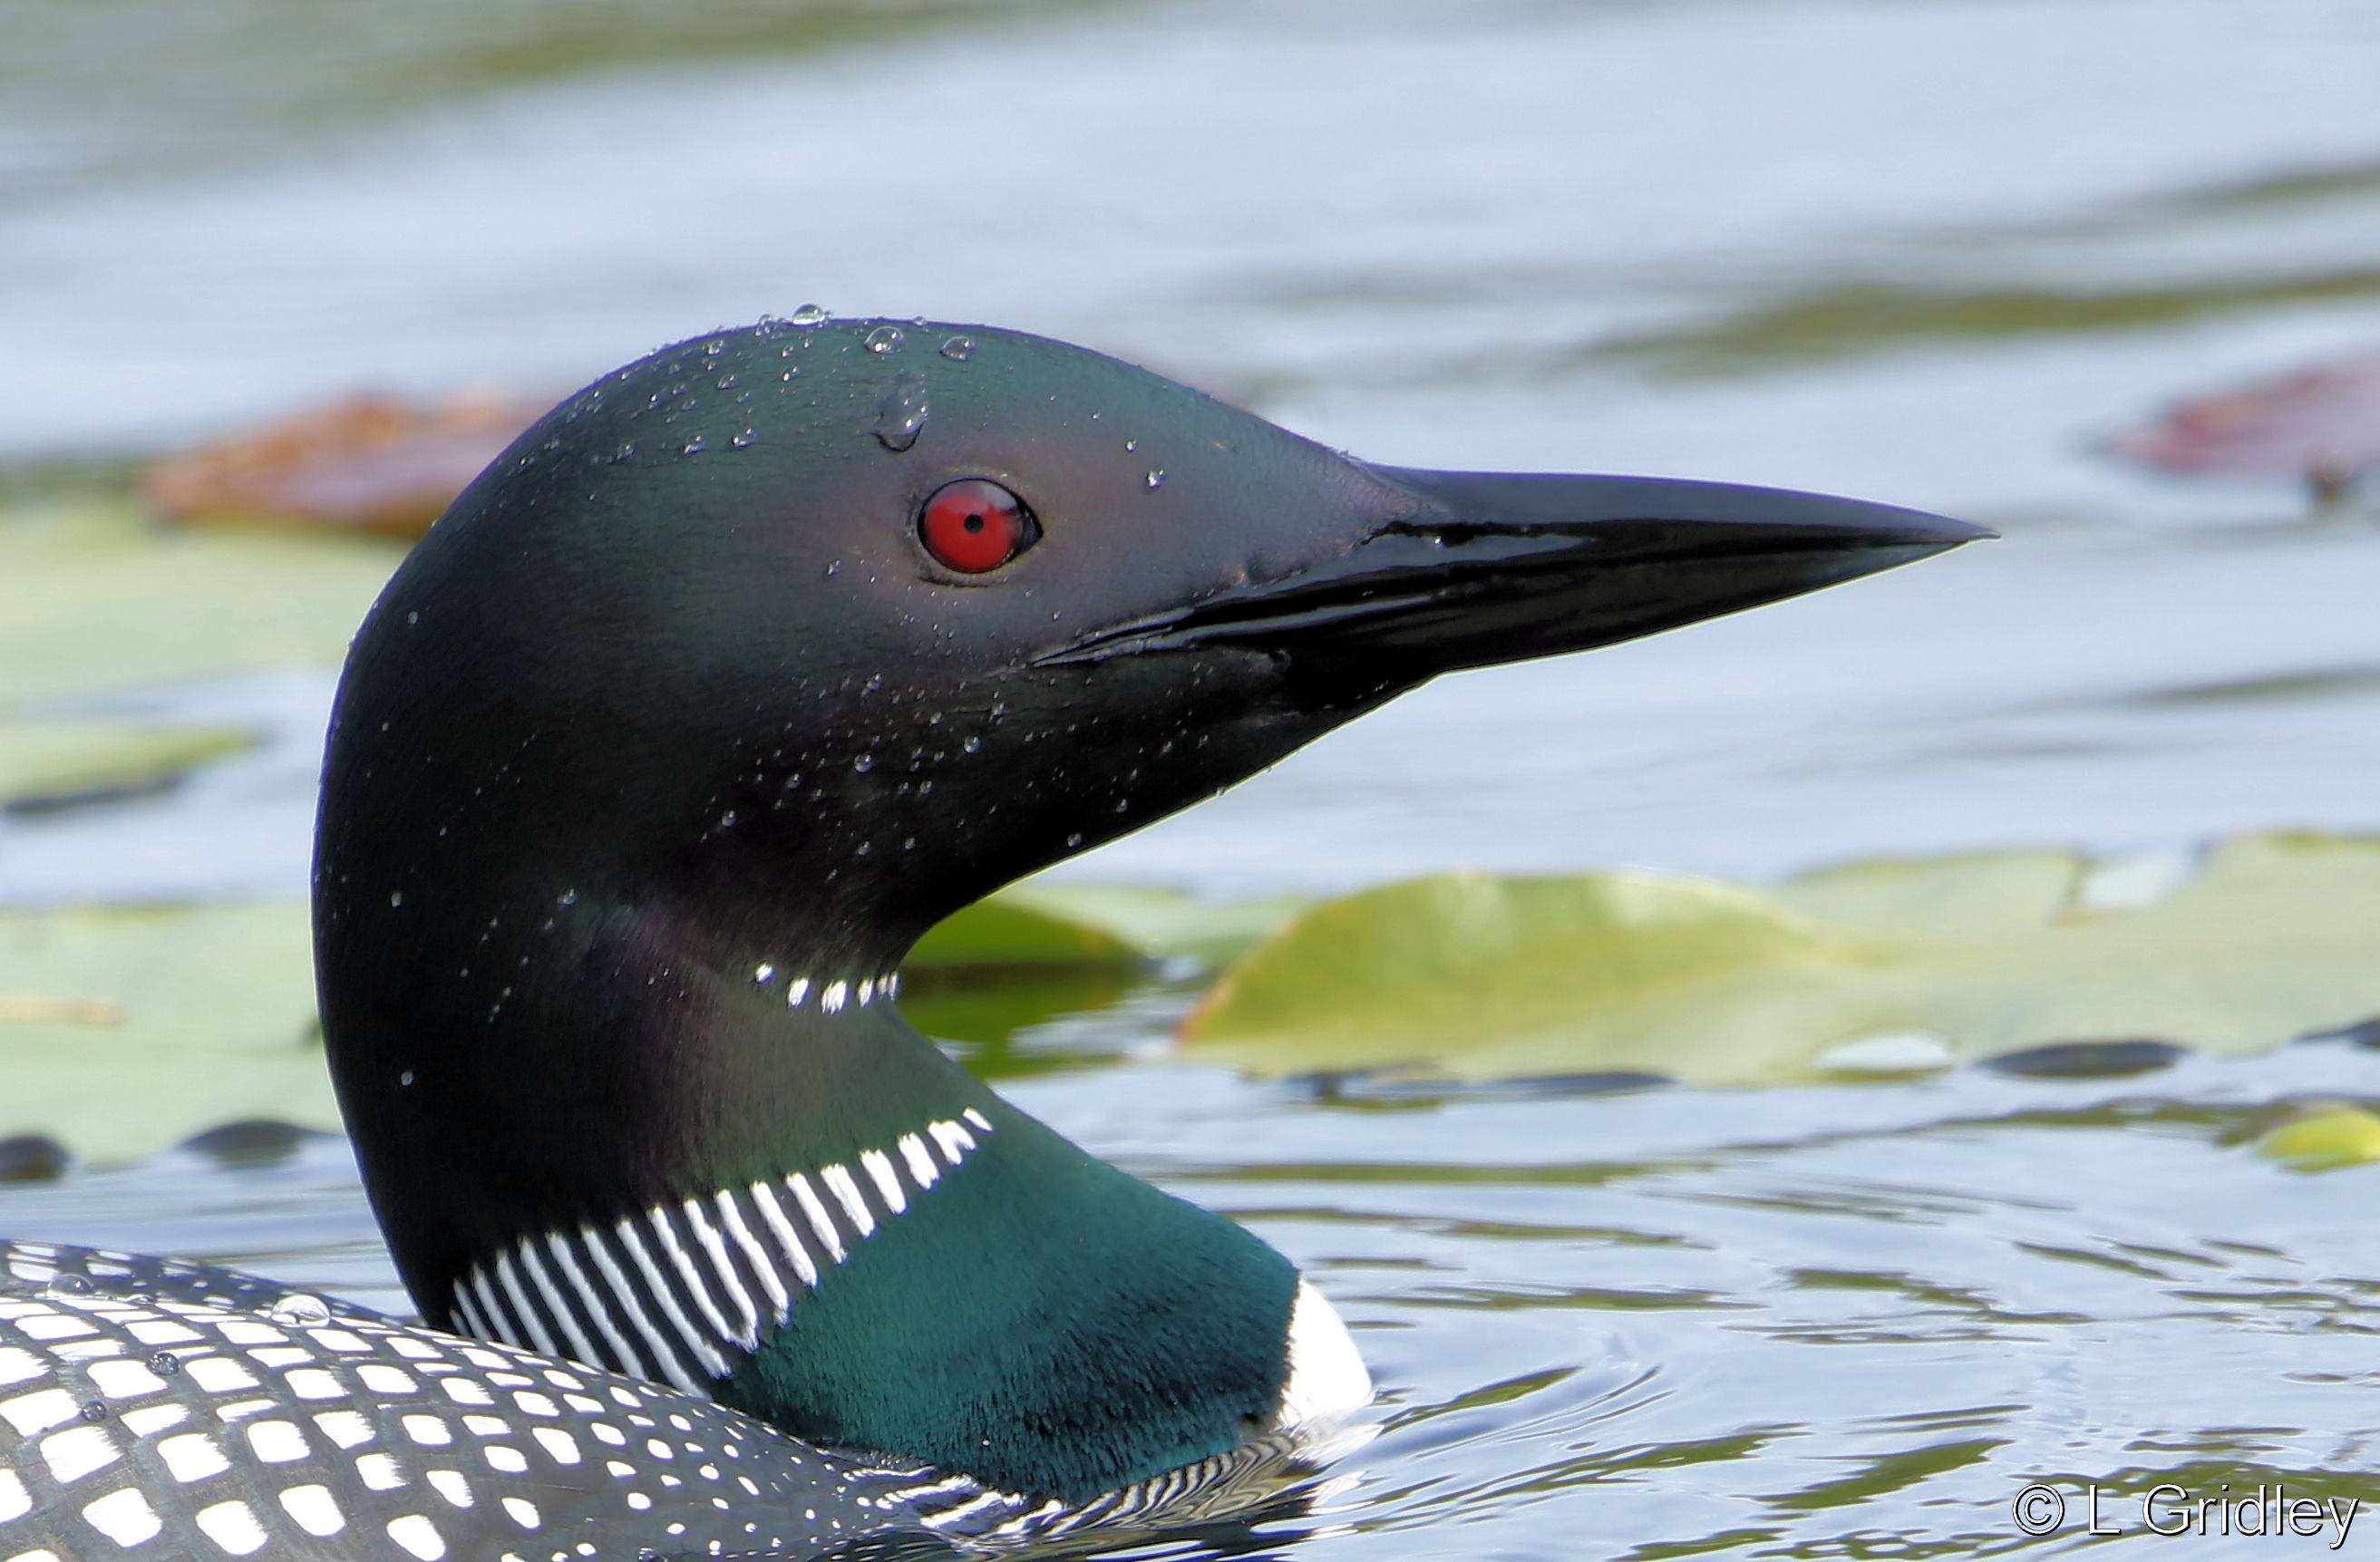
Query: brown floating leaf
{"points": [[370, 463], [2320, 424]]}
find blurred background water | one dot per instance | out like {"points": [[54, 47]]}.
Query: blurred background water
{"points": [[1923, 251]]}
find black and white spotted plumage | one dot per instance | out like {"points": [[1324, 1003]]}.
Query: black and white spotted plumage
{"points": [[161, 1408]]}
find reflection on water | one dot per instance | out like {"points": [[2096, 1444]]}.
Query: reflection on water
{"points": [[1923, 250]]}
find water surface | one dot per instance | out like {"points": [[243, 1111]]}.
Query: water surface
{"points": [[1920, 250]]}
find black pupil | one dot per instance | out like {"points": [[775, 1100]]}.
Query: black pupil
{"points": [[975, 523]]}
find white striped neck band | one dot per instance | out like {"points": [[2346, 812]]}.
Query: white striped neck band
{"points": [[682, 1291]]}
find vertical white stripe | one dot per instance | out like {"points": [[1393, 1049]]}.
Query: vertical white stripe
{"points": [[831, 1000], [510, 1280], [580, 1351], [465, 1311], [798, 991], [621, 1357], [847, 1194], [867, 991], [953, 1141], [667, 1362], [658, 1218], [921, 1162], [731, 1217], [484, 1293], [664, 1298], [709, 1238], [880, 1171], [816, 1211], [764, 1199], [978, 1119]]}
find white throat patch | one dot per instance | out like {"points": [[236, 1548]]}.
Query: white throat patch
{"points": [[1327, 1381]]}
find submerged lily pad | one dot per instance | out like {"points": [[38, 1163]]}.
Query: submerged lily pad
{"points": [[2319, 424], [1479, 977], [368, 463], [127, 1029], [2324, 1141], [51, 764], [98, 598], [1041, 924]]}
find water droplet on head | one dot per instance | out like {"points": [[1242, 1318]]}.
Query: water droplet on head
{"points": [[806, 315], [695, 446], [625, 452], [833, 567], [743, 440], [1131, 445], [886, 340], [299, 1310], [395, 898], [900, 417], [1156, 478], [1075, 839], [715, 346], [973, 746], [959, 349], [413, 618], [864, 764], [727, 381], [164, 1363]]}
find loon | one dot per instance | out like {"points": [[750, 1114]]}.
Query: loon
{"points": [[735, 673]]}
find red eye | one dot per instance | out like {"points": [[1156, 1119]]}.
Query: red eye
{"points": [[975, 524]]}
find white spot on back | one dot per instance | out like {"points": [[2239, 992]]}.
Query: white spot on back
{"points": [[78, 1451], [39, 1410], [347, 1428], [450, 1484], [379, 1471], [193, 1455], [123, 1517], [417, 1535], [279, 1442], [314, 1509], [233, 1526]]}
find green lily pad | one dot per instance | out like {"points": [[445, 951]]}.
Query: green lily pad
{"points": [[1041, 924], [1009, 932], [1473, 977], [127, 1029], [97, 597], [2324, 1141], [42, 762]]}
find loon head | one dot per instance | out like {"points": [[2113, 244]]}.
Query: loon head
{"points": [[742, 667]]}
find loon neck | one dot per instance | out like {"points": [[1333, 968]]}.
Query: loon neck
{"points": [[730, 1163]]}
